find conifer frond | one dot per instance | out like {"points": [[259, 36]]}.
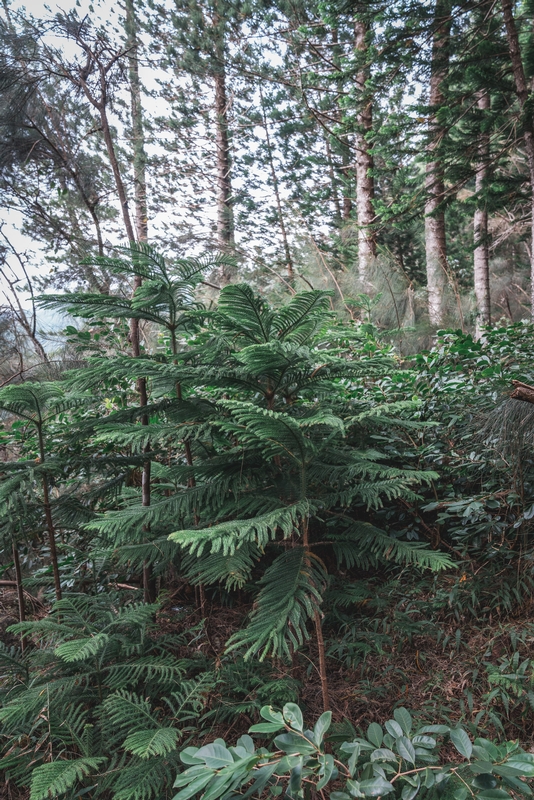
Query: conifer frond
{"points": [[51, 780], [233, 570], [227, 537], [129, 713], [363, 539], [243, 312], [298, 320], [289, 597], [157, 742]]}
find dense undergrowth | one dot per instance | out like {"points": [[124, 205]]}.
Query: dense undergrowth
{"points": [[289, 514]]}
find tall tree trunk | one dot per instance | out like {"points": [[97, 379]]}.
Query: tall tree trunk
{"points": [[141, 227], [481, 252], [138, 131], [365, 184], [522, 92], [435, 239], [225, 217], [281, 222]]}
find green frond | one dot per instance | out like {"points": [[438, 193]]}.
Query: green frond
{"points": [[298, 320], [290, 596], [157, 742], [128, 712], [227, 537], [80, 649], [244, 313], [140, 779], [233, 570], [363, 539], [51, 780]]}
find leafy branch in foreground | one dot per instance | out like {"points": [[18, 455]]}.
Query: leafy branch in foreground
{"points": [[395, 760]]}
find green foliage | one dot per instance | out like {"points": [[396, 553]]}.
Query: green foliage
{"points": [[401, 758], [99, 692]]}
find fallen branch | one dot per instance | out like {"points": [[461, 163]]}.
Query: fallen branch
{"points": [[523, 391]]}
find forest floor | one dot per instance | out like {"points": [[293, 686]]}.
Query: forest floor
{"points": [[441, 670]]}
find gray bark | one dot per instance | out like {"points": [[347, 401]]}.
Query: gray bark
{"points": [[435, 239], [522, 92], [365, 185], [481, 252]]}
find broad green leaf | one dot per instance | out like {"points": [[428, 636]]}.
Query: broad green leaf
{"points": [[479, 767], [188, 756], [406, 749], [321, 727], [375, 734], [291, 743], [265, 727], [404, 718], [393, 728], [493, 794], [247, 743], [196, 786], [293, 715], [295, 779], [375, 787], [327, 769], [215, 756], [526, 768], [461, 741], [383, 754], [268, 713], [354, 788], [485, 781], [424, 741]]}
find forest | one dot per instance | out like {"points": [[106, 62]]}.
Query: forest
{"points": [[267, 400]]}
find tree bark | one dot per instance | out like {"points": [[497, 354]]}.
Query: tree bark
{"points": [[225, 217], [20, 590], [141, 227], [522, 92], [365, 182], [138, 131], [435, 239], [281, 222], [481, 252], [48, 516]]}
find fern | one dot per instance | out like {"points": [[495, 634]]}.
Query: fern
{"points": [[51, 780], [290, 596], [227, 537], [149, 743]]}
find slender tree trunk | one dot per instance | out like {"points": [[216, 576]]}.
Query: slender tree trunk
{"points": [[141, 227], [283, 231], [435, 239], [318, 628], [365, 184], [522, 92], [346, 168], [20, 590], [138, 131], [225, 217], [481, 252], [48, 517], [338, 216]]}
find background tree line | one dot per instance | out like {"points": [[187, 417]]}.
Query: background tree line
{"points": [[373, 148]]}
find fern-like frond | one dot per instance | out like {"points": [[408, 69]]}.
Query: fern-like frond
{"points": [[290, 596], [362, 538], [233, 570], [227, 537], [148, 743], [51, 780]]}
